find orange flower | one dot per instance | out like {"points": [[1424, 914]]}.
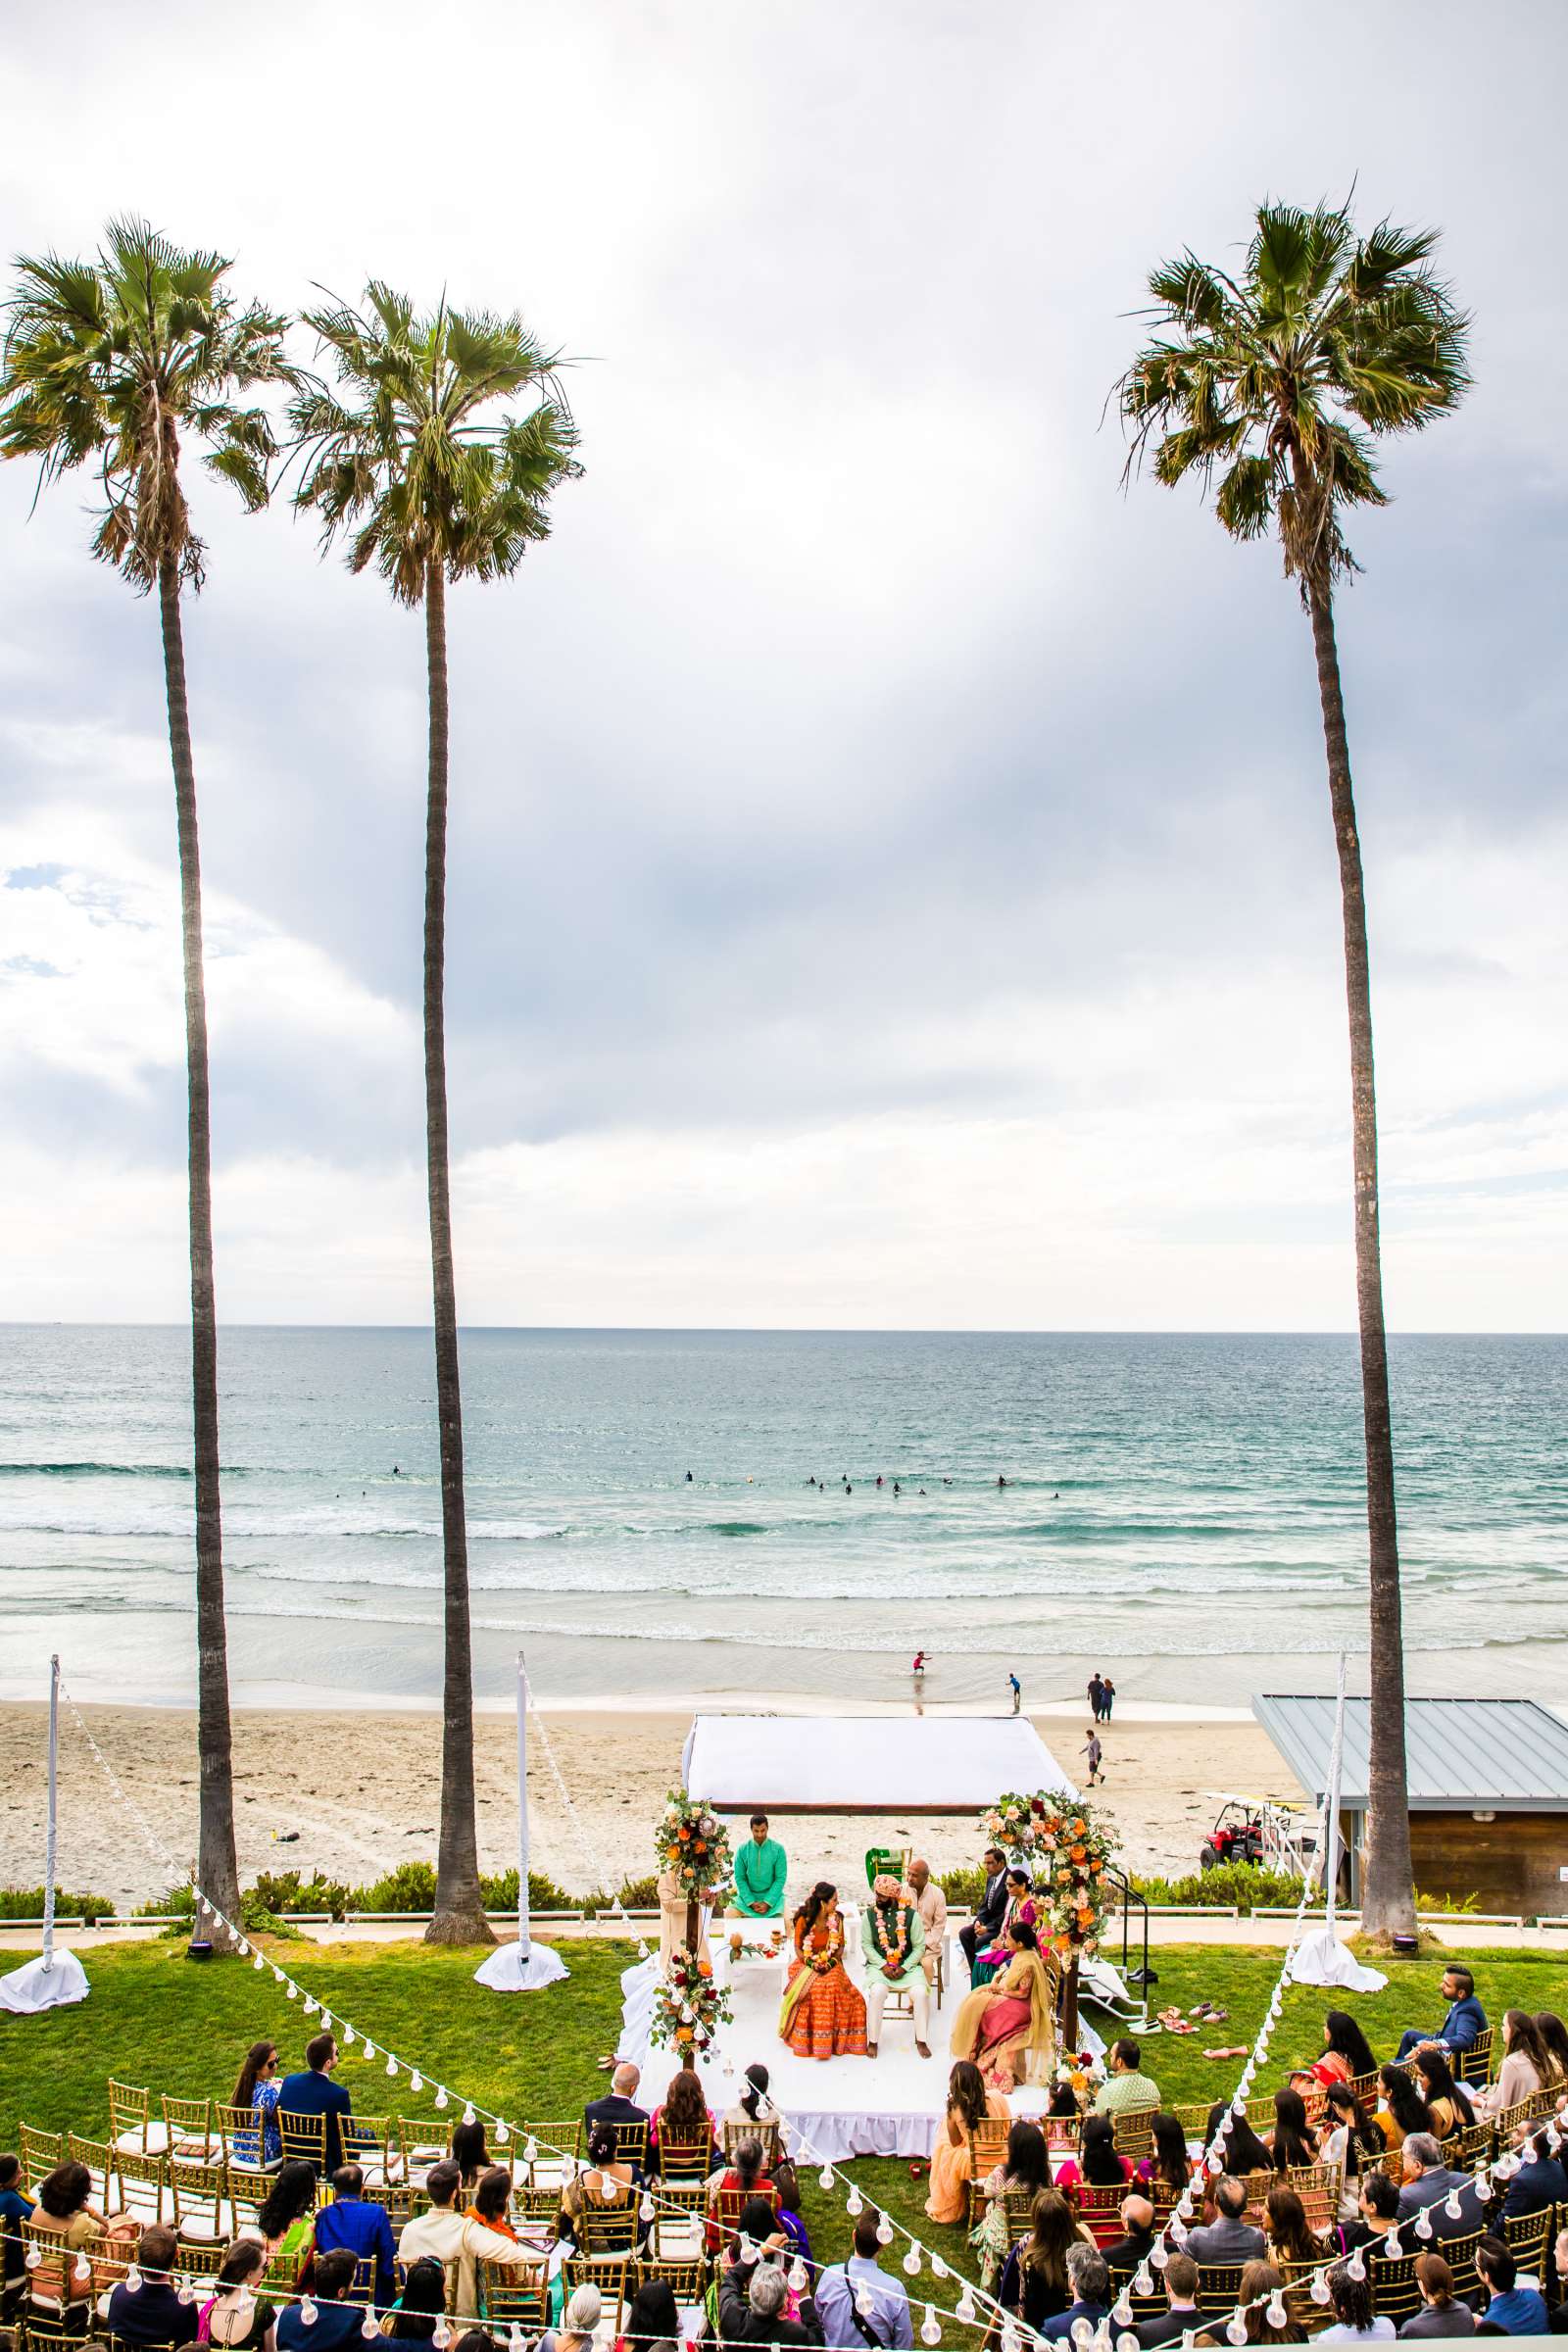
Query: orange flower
{"points": [[705, 1968], [683, 1835], [1077, 1828], [1078, 1854]]}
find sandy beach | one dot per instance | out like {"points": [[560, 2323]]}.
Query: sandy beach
{"points": [[361, 1790]]}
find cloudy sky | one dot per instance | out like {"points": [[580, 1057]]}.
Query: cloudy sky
{"points": [[892, 880]]}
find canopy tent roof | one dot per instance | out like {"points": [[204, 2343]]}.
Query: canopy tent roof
{"points": [[865, 1763], [1465, 1754]]}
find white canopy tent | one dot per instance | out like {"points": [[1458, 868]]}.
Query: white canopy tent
{"points": [[904, 1764]]}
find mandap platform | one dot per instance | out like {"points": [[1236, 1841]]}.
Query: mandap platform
{"points": [[886, 1769]]}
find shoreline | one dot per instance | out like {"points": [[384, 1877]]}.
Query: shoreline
{"points": [[352, 1792]]}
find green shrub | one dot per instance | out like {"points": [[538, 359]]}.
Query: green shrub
{"points": [[1247, 1885], [411, 1887], [285, 1891], [963, 1887], [640, 1894], [26, 1903]]}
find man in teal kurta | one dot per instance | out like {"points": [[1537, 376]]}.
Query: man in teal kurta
{"points": [[893, 1939], [760, 1867]]}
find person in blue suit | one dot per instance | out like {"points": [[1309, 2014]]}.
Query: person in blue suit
{"points": [[352, 2224], [1466, 2020], [315, 2093]]}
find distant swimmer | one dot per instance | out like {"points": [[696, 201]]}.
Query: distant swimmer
{"points": [[946, 1481], [688, 1478], [394, 1469], [848, 1489], [922, 1490], [1001, 1482], [879, 1478], [897, 1489]]}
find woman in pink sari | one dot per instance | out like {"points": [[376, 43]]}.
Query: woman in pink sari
{"points": [[1009, 2026]]}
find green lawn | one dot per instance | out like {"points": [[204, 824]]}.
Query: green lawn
{"points": [[155, 2016]]}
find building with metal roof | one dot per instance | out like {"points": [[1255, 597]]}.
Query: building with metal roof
{"points": [[1488, 1782]]}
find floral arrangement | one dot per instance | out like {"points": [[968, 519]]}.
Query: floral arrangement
{"points": [[688, 2007], [693, 1843], [1069, 1852]]}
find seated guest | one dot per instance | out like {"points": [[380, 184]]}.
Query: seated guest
{"points": [[1428, 2184], [1559, 2263], [753, 2107], [1554, 2041], [891, 1940], [683, 2120], [1295, 2141], [1009, 2026], [1231, 2236], [1447, 2101], [153, 2313], [1181, 2295], [761, 1869], [421, 2306], [315, 2093], [1441, 2312], [1346, 2052], [931, 1906], [1289, 2240], [1466, 2018], [1034, 2278], [789, 2211], [1098, 2163], [335, 2322], [579, 2322], [1090, 2283], [757, 2238], [653, 2323], [260, 2091], [1517, 2310], [351, 2225], [969, 2104], [455, 2239], [619, 2104], [1127, 2090], [986, 1921], [1377, 2214], [492, 2201], [1541, 2181], [731, 2189], [239, 2318], [1259, 2281], [470, 2152], [62, 2211], [606, 2182], [757, 2309], [1130, 2251], [1526, 2065], [1019, 1905], [1401, 2108], [1351, 2139], [857, 2303], [15, 2209], [1240, 2147], [286, 2220], [1167, 2166], [1353, 2320]]}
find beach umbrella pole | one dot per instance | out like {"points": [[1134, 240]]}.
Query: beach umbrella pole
{"points": [[47, 1983]]}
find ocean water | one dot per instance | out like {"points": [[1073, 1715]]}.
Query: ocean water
{"points": [[1188, 1511]]}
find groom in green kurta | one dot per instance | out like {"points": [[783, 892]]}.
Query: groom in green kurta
{"points": [[893, 1939], [760, 1868]]}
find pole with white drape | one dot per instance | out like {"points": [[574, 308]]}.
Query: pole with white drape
{"points": [[523, 1966], [54, 1980], [1321, 1958]]}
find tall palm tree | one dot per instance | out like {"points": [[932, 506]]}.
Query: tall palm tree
{"points": [[1272, 385], [110, 360], [403, 459]]}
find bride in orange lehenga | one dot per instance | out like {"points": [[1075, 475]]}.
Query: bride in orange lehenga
{"points": [[822, 2016]]}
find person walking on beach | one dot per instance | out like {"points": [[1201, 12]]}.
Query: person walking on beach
{"points": [[1016, 1687], [1096, 1694], [1092, 1750], [919, 1668], [1108, 1700]]}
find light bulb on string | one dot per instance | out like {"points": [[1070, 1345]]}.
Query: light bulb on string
{"points": [[1356, 2268], [1319, 2290], [1393, 2246], [134, 2280], [311, 2007], [1423, 2224], [938, 2268], [277, 1974], [307, 2312], [258, 1962], [348, 2037], [530, 2150], [825, 2177], [1159, 2254], [1082, 2332], [965, 2306], [185, 2292], [1121, 2311], [1127, 2341], [884, 2232], [865, 2302], [370, 2328], [1143, 2281], [81, 2270], [749, 2249], [912, 2263], [852, 2203], [1236, 2329], [441, 2098], [468, 2115], [514, 2343], [1452, 2207], [242, 1947], [416, 2082], [1276, 2311], [797, 2276], [293, 1991], [645, 2211], [503, 2134], [391, 2066], [930, 2327], [367, 2052]]}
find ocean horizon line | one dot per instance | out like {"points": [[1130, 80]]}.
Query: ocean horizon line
{"points": [[808, 1331]]}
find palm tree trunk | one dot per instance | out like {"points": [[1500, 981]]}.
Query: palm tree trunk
{"points": [[459, 1910], [1387, 1903], [216, 1870]]}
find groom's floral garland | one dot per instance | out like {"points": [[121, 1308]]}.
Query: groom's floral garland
{"points": [[1068, 1850], [688, 2006], [693, 1843]]}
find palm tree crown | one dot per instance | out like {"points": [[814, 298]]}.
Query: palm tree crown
{"points": [[399, 457], [1278, 380], [111, 359]]}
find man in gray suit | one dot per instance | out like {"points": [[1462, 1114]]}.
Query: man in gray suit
{"points": [[1428, 2185], [1232, 2237]]}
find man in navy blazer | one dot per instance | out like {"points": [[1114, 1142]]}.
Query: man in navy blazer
{"points": [[992, 1905], [1466, 2018], [352, 2225], [1541, 2181], [620, 2104], [315, 2093]]}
